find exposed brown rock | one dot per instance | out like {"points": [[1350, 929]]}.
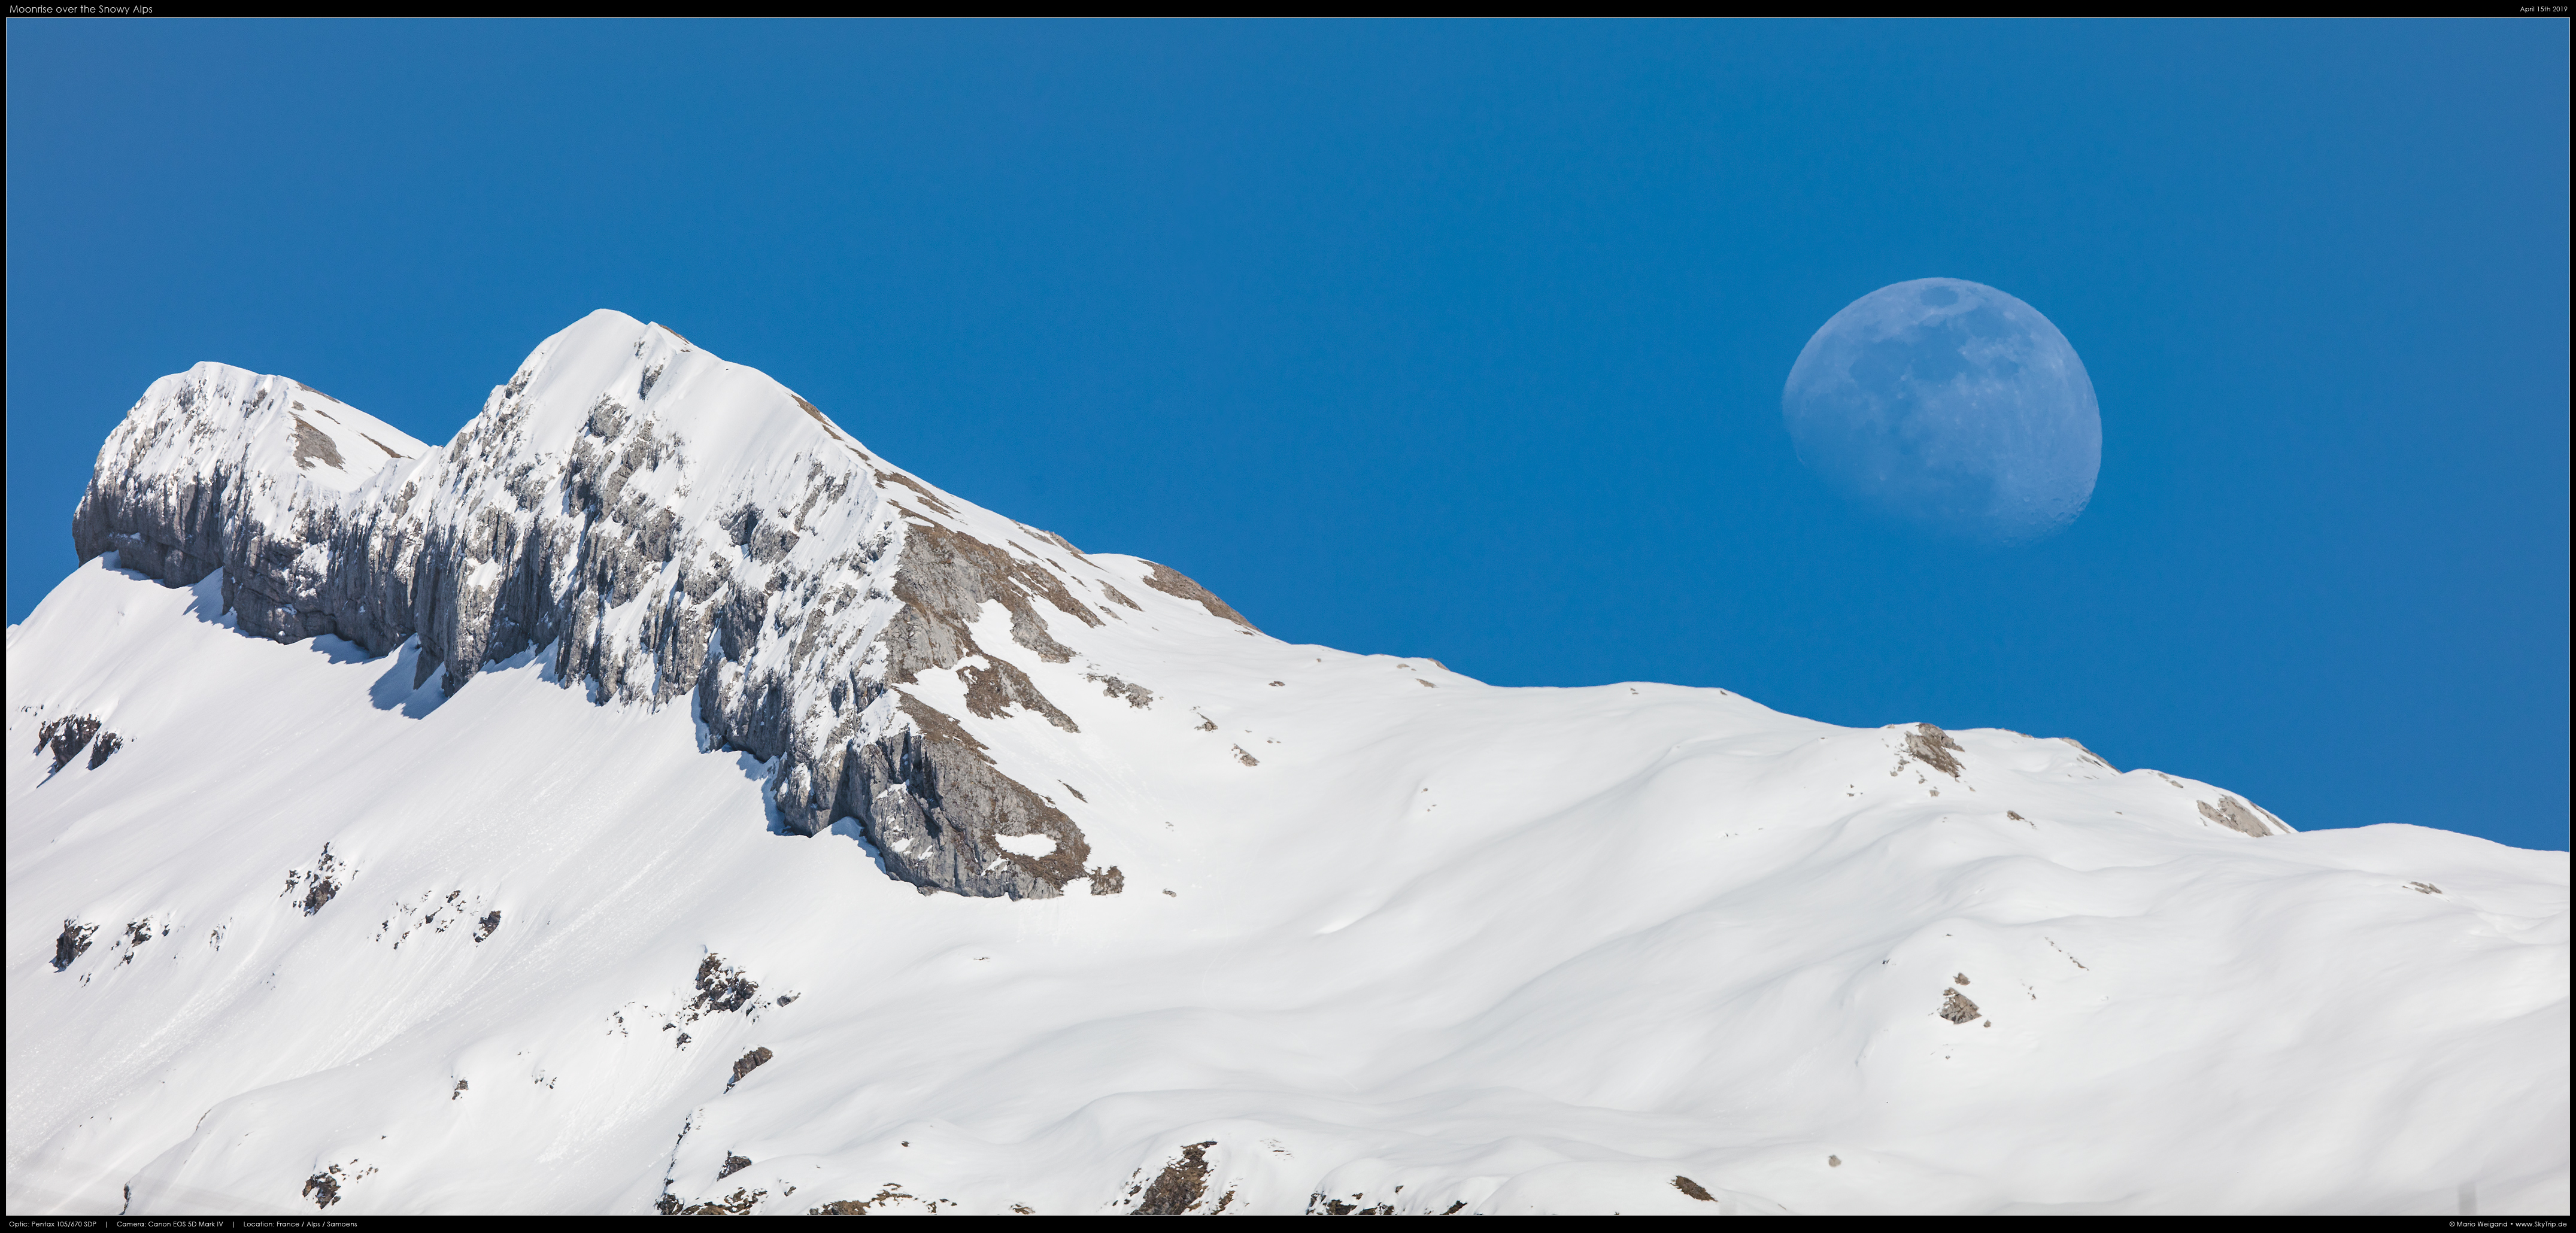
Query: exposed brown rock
{"points": [[1934, 748], [1136, 695], [67, 735], [944, 579], [939, 830], [928, 497], [1173, 582], [739, 1203], [859, 1207], [1053, 538], [1335, 1207], [136, 934], [321, 883], [2089, 755], [324, 1187], [314, 445], [71, 943], [809, 408], [939, 725], [1956, 1007], [2235, 815], [750, 1062], [1693, 1189], [721, 988], [990, 690], [1180, 1186]]}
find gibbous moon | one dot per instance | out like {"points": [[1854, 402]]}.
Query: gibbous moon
{"points": [[1952, 406]]}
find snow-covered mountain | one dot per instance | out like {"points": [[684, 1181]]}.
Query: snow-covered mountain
{"points": [[652, 799]]}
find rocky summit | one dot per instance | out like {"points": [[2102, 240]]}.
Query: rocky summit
{"points": [[652, 800], [674, 530]]}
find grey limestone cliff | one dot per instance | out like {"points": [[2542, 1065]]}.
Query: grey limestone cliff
{"points": [[668, 529]]}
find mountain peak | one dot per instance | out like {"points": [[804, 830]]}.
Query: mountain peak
{"points": [[668, 527], [567, 861]]}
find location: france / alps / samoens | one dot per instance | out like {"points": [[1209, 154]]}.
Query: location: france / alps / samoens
{"points": [[652, 799]]}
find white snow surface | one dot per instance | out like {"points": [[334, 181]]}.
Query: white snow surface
{"points": [[1390, 937], [286, 431]]}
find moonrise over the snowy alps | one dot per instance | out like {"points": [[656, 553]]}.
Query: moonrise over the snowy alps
{"points": [[1338, 618]]}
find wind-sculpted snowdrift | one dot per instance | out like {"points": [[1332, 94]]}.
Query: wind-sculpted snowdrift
{"points": [[504, 826]]}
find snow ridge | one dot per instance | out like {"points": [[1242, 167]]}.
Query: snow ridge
{"points": [[449, 889], [664, 525]]}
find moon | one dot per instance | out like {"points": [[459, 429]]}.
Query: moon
{"points": [[1951, 406]]}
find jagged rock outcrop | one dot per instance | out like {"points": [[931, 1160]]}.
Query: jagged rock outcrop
{"points": [[72, 943], [1933, 748], [668, 529], [1956, 1007], [1180, 1186], [67, 735], [2242, 817]]}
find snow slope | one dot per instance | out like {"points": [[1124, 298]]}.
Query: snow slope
{"points": [[1388, 937]]}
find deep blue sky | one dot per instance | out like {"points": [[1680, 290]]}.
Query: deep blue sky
{"points": [[1465, 341]]}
